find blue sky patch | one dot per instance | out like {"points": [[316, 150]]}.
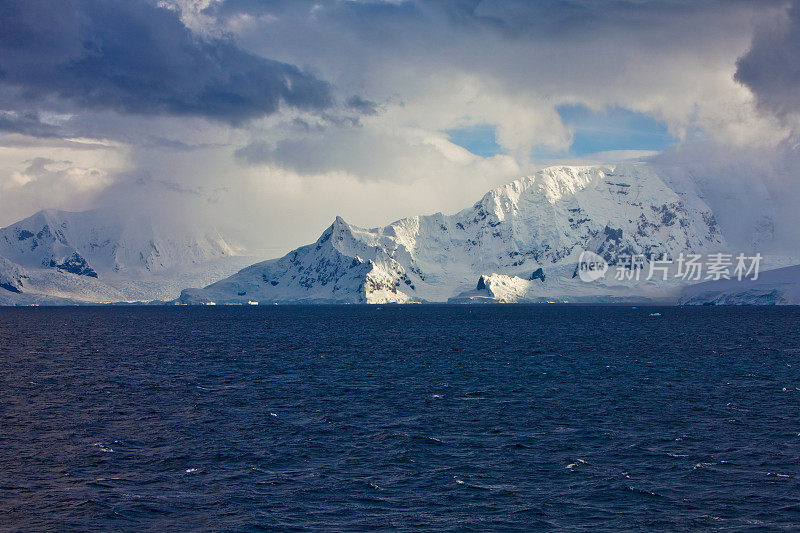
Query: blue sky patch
{"points": [[613, 128], [481, 140]]}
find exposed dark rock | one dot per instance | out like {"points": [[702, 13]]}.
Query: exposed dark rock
{"points": [[538, 274], [613, 234], [9, 287], [75, 264], [45, 232]]}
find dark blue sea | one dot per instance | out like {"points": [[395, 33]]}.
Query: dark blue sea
{"points": [[431, 418]]}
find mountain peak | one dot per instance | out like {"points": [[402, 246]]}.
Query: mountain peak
{"points": [[64, 252], [533, 228]]}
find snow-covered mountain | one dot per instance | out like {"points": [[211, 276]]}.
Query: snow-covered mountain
{"points": [[106, 256], [520, 242], [773, 287]]}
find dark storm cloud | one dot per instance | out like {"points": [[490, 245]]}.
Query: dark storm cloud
{"points": [[771, 68], [365, 107], [137, 58], [514, 18], [27, 123]]}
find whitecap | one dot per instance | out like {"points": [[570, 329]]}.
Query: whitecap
{"points": [[775, 474], [576, 463]]}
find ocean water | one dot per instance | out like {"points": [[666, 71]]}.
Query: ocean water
{"points": [[445, 418]]}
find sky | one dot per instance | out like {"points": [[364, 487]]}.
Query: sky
{"points": [[268, 118]]}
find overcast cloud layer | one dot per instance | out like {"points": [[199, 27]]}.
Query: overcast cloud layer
{"points": [[771, 68], [271, 117], [136, 58]]}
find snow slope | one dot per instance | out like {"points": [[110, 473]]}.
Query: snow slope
{"points": [[543, 221], [564, 288], [103, 256], [773, 287]]}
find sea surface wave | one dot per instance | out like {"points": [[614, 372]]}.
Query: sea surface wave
{"points": [[445, 418]]}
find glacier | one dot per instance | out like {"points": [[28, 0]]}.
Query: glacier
{"points": [[519, 243], [780, 286], [105, 256]]}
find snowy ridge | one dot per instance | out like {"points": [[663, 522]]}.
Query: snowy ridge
{"points": [[102, 256], [106, 241], [543, 221]]}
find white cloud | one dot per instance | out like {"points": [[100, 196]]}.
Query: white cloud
{"points": [[428, 67], [56, 173]]}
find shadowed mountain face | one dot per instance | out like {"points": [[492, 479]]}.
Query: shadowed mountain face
{"points": [[536, 225]]}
